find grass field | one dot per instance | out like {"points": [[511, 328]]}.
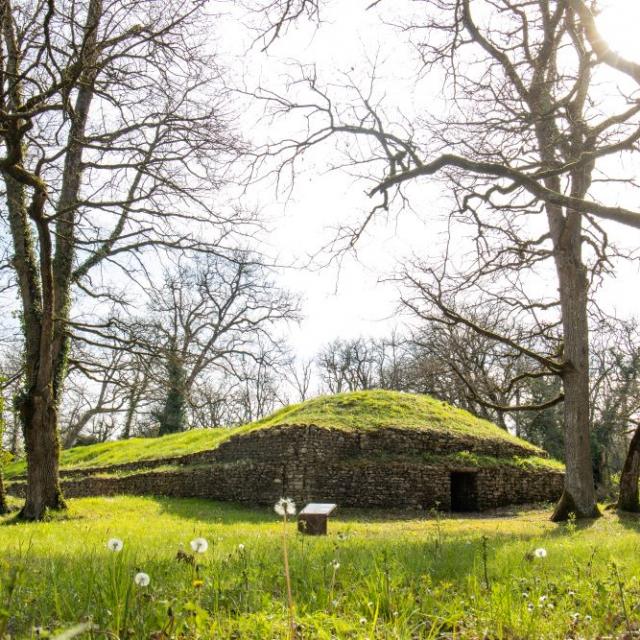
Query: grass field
{"points": [[373, 576], [358, 410]]}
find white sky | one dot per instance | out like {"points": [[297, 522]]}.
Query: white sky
{"points": [[355, 300]]}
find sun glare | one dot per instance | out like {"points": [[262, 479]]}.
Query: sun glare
{"points": [[618, 23]]}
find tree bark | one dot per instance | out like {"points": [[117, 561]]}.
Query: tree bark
{"points": [[38, 413], [628, 498], [579, 495], [565, 226], [4, 507]]}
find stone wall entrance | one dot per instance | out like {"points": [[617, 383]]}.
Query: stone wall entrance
{"points": [[464, 491]]}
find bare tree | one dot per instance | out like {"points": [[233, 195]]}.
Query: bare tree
{"points": [[114, 134], [299, 374], [347, 365], [97, 387], [522, 140], [258, 392], [210, 317]]}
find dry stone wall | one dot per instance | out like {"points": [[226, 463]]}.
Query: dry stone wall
{"points": [[385, 468]]}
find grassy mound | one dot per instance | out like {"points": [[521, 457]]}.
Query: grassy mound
{"points": [[364, 410]]}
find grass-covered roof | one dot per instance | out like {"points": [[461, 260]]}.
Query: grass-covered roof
{"points": [[360, 410]]}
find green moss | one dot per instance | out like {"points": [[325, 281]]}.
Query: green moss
{"points": [[470, 459], [137, 449], [361, 410], [369, 410]]}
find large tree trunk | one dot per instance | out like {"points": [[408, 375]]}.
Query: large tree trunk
{"points": [[40, 427], [4, 507], [628, 498], [579, 495], [565, 226]]}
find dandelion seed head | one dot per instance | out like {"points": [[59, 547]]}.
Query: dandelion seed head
{"points": [[241, 547], [540, 553], [335, 564], [199, 545], [142, 579], [115, 544], [363, 620], [285, 506]]}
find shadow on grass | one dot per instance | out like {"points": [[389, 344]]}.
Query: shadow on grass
{"points": [[211, 511]]}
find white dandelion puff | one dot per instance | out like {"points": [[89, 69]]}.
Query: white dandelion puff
{"points": [[241, 547], [335, 564], [199, 545], [142, 579], [285, 506], [540, 553], [115, 544], [363, 621]]}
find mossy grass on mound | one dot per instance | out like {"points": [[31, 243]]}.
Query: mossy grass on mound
{"points": [[360, 410], [369, 410]]}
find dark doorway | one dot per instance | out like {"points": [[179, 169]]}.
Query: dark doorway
{"points": [[464, 491]]}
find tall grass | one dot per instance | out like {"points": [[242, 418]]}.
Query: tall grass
{"points": [[371, 577]]}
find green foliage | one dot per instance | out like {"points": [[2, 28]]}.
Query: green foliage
{"points": [[358, 410], [173, 417], [397, 576]]}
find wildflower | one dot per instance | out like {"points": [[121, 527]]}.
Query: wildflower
{"points": [[525, 595], [197, 583], [335, 564], [575, 616], [199, 545], [542, 599], [142, 579], [285, 506], [363, 621], [530, 606], [241, 547], [587, 617], [115, 544], [540, 553]]}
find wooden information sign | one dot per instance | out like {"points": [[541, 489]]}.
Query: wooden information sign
{"points": [[312, 520]]}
